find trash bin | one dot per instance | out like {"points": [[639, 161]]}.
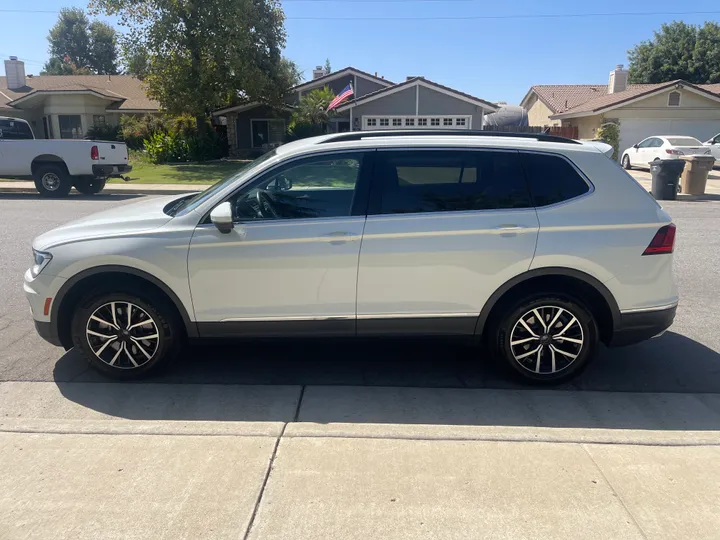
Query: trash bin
{"points": [[665, 178], [695, 175]]}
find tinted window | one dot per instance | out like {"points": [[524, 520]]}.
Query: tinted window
{"points": [[552, 179], [13, 129], [447, 181], [646, 143], [656, 143], [684, 141], [322, 186]]}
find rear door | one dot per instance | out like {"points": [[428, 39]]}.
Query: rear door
{"points": [[445, 229]]}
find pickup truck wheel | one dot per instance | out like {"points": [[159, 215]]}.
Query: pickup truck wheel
{"points": [[90, 187], [52, 181]]}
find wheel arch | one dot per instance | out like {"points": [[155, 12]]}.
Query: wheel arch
{"points": [[72, 291], [48, 159], [597, 296]]}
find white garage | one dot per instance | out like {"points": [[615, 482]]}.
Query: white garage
{"points": [[633, 131]]}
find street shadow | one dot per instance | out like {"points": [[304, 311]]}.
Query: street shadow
{"points": [[73, 196], [669, 383]]}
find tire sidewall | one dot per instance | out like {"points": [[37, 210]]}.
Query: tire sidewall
{"points": [[62, 190], [574, 306], [167, 330], [626, 162]]}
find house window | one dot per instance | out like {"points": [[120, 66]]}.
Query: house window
{"points": [[422, 122], [397, 121], [447, 121], [267, 133], [70, 126], [459, 121], [384, 122], [434, 121], [409, 121], [371, 122], [99, 120], [674, 99]]}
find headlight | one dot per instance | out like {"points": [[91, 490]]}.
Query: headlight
{"points": [[42, 259]]}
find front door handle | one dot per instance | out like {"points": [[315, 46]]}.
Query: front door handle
{"points": [[510, 228]]}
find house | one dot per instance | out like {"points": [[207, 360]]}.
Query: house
{"points": [[675, 107], [66, 106], [416, 103]]}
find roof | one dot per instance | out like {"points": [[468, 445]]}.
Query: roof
{"points": [[424, 82], [569, 99], [339, 73], [128, 91]]}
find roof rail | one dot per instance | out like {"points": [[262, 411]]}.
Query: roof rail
{"points": [[357, 135]]}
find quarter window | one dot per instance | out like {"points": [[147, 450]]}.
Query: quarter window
{"points": [[317, 187], [447, 181], [552, 179]]}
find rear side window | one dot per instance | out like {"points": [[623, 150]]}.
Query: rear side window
{"points": [[552, 179], [12, 129], [448, 181]]}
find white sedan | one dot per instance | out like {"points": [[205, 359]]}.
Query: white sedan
{"points": [[714, 145], [661, 147]]}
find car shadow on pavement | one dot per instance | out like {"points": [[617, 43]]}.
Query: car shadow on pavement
{"points": [[666, 383]]}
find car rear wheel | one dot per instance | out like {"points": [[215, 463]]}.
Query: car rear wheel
{"points": [[90, 186], [626, 162], [547, 339], [52, 181], [123, 335]]}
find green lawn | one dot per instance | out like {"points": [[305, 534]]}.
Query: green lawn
{"points": [[203, 173]]}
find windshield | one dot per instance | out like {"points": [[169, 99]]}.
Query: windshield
{"points": [[188, 203], [684, 141]]}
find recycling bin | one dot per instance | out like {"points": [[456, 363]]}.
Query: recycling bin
{"points": [[694, 177], [665, 178]]}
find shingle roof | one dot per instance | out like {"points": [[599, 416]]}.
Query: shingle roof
{"points": [[117, 87], [580, 98], [334, 74], [409, 82]]}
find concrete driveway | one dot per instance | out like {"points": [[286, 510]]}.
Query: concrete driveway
{"points": [[361, 439]]}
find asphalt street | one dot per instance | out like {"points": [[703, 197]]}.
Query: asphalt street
{"points": [[686, 359]]}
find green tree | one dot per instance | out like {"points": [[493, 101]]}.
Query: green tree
{"points": [[312, 107], [203, 55], [678, 51], [78, 46], [328, 67]]}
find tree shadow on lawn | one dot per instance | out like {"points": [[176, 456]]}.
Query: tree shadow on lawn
{"points": [[664, 384]]}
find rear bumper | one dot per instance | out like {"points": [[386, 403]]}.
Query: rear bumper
{"points": [[110, 170], [639, 326]]}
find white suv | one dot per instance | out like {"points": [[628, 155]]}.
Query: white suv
{"points": [[540, 245]]}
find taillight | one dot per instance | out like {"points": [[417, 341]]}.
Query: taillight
{"points": [[674, 152], [94, 153], [663, 242]]}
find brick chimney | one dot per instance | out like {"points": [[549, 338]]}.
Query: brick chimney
{"points": [[618, 80], [15, 73], [318, 72]]}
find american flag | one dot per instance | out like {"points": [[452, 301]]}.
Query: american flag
{"points": [[342, 96]]}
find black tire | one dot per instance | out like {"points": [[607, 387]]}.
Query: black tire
{"points": [[626, 163], [164, 320], [584, 329], [90, 186], [52, 181]]}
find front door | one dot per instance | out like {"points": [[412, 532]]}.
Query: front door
{"points": [[292, 255], [445, 229]]}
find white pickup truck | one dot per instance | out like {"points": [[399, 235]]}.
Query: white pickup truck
{"points": [[58, 165]]}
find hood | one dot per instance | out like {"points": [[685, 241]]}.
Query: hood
{"points": [[127, 219]]}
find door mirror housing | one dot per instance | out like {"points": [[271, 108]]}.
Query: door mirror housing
{"points": [[222, 217], [635, 146]]}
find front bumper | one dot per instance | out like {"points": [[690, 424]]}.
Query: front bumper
{"points": [[37, 291], [49, 332], [643, 325], [111, 170]]}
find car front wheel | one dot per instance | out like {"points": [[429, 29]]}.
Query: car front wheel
{"points": [[547, 339], [125, 336]]}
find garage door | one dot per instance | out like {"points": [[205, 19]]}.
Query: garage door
{"points": [[634, 131]]}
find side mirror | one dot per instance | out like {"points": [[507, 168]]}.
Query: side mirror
{"points": [[222, 218], [635, 146]]}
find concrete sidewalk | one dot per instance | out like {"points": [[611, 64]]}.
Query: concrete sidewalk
{"points": [[136, 461], [127, 188]]}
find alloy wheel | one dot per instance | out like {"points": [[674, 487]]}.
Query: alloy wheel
{"points": [[547, 340], [50, 181], [122, 335]]}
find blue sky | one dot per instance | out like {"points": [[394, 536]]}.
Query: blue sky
{"points": [[496, 59]]}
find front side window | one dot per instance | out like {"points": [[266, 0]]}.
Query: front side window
{"points": [[552, 179], [647, 143], [267, 133], [70, 126], [448, 181], [317, 187]]}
